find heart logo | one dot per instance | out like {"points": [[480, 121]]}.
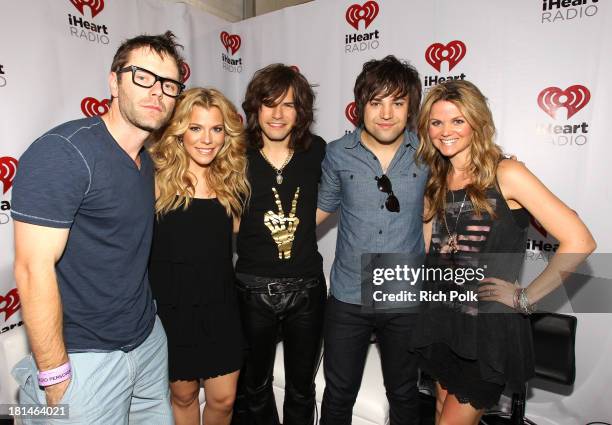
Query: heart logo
{"points": [[186, 71], [366, 13], [8, 168], [351, 113], [9, 304], [230, 42], [573, 98], [295, 68], [93, 107], [453, 52], [95, 6]]}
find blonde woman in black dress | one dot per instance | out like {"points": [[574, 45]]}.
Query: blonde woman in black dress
{"points": [[201, 190], [478, 203]]}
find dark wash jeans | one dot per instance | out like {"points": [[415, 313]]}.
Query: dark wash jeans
{"points": [[298, 318], [347, 334]]}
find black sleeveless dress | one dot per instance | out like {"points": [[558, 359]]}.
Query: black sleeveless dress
{"points": [[474, 349], [192, 279]]}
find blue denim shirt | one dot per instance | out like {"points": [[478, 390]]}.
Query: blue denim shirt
{"points": [[365, 225]]}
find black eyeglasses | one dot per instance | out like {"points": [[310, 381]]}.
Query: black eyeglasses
{"points": [[384, 185], [145, 78]]}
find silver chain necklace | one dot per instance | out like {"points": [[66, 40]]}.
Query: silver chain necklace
{"points": [[453, 239], [279, 171]]}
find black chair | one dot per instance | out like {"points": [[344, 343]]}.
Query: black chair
{"points": [[554, 339]]}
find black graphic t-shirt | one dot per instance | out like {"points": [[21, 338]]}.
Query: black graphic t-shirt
{"points": [[277, 235]]}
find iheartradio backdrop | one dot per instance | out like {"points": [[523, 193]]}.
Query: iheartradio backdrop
{"points": [[544, 65]]}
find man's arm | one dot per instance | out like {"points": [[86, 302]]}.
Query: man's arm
{"points": [[329, 188], [37, 250], [322, 216]]}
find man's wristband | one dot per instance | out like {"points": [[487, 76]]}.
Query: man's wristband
{"points": [[55, 376]]}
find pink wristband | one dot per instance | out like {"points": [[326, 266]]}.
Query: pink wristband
{"points": [[55, 376]]}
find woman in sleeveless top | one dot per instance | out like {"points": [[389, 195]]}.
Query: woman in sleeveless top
{"points": [[201, 190], [477, 214]]}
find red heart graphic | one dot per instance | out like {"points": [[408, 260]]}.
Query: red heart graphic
{"points": [[230, 42], [351, 113], [577, 97], [186, 71], [356, 13], [92, 106], [95, 6], [295, 68], [9, 304], [8, 168], [453, 52]]}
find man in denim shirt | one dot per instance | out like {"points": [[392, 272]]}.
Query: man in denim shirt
{"points": [[372, 177]]}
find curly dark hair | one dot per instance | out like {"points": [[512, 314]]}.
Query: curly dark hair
{"points": [[388, 77], [265, 88]]}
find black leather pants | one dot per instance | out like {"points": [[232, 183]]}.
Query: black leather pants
{"points": [[297, 318]]}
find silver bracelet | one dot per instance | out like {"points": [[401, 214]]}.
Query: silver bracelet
{"points": [[525, 307]]}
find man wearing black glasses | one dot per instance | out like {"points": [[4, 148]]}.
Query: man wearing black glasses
{"points": [[370, 175], [83, 208]]}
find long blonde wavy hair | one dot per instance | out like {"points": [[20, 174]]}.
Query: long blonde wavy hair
{"points": [[484, 154], [226, 174]]}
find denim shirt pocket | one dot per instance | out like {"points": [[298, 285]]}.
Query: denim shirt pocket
{"points": [[357, 190], [410, 188]]}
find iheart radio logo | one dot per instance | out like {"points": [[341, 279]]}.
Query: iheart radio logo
{"points": [[295, 68], [92, 106], [9, 304], [351, 113], [95, 6], [186, 71], [453, 52], [356, 13], [573, 98], [8, 168], [230, 42]]}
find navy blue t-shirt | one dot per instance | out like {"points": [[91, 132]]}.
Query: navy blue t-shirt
{"points": [[76, 176]]}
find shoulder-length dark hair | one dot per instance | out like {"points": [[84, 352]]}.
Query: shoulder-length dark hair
{"points": [[388, 77], [265, 88]]}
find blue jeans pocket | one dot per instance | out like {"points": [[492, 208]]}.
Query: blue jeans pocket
{"points": [[73, 383], [24, 373]]}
